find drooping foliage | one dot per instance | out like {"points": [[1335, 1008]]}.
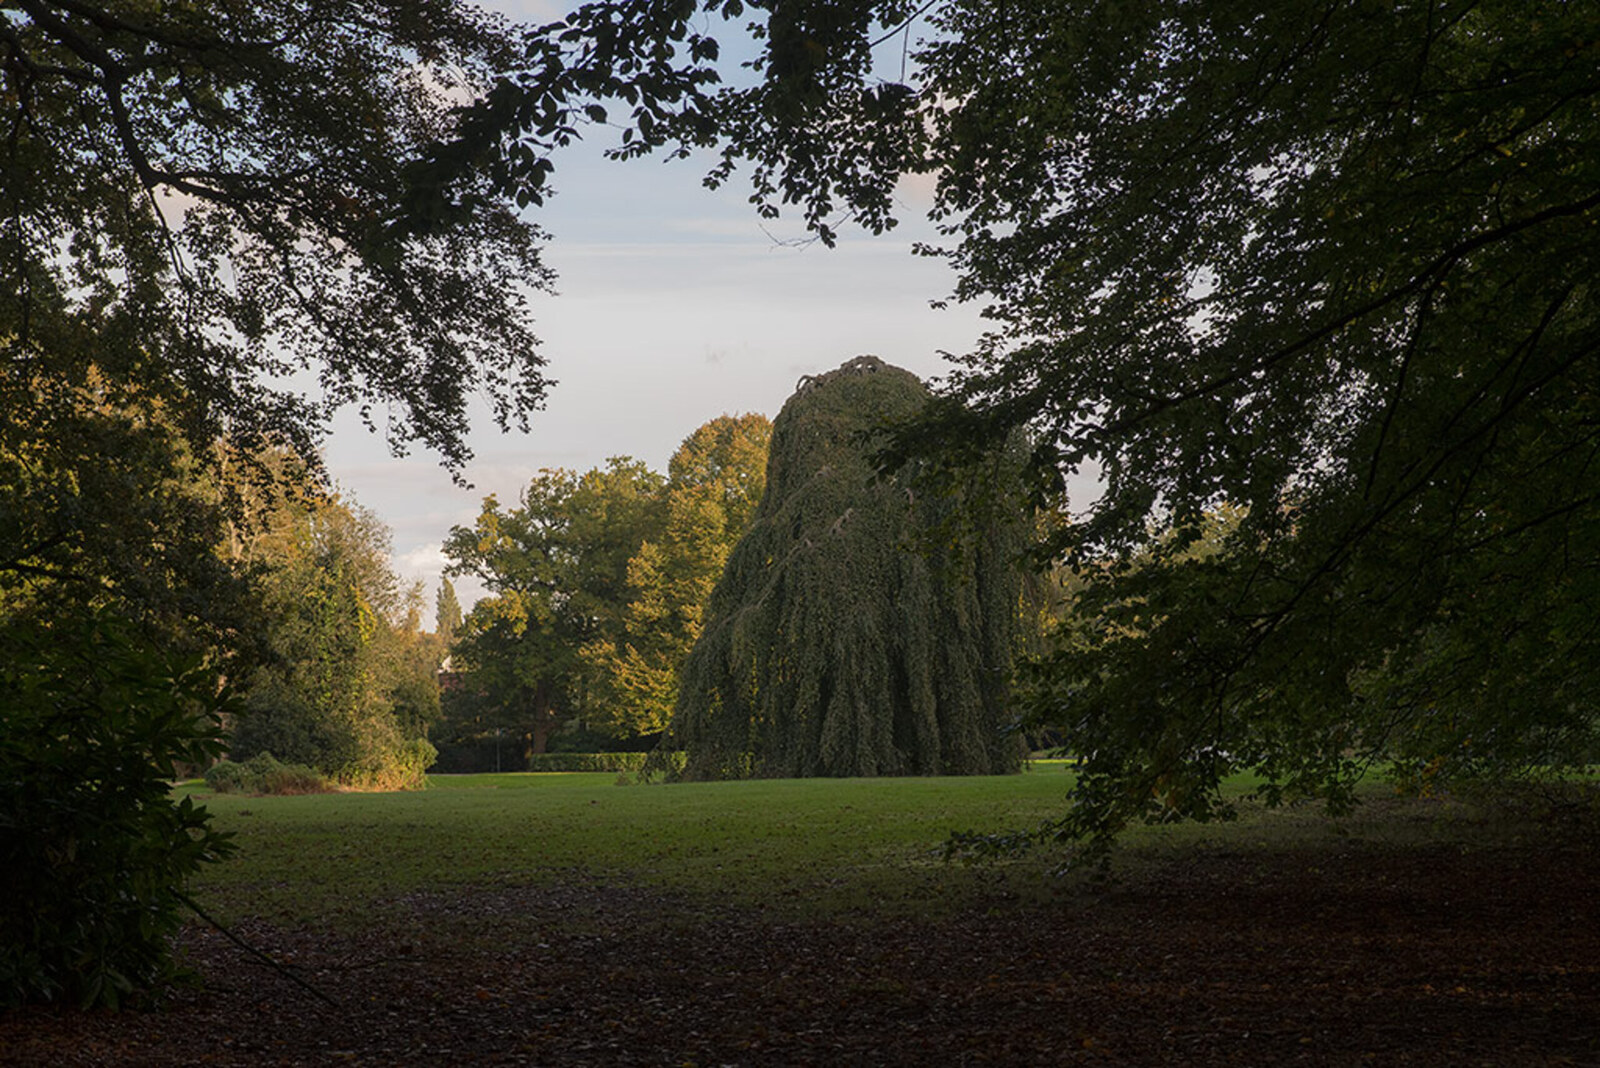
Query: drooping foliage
{"points": [[714, 483], [860, 627]]}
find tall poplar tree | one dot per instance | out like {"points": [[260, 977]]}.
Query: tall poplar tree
{"points": [[447, 612], [859, 628]]}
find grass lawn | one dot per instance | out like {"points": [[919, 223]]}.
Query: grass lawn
{"points": [[815, 844], [815, 847]]}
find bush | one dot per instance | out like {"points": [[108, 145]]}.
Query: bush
{"points": [[265, 774], [94, 851], [400, 766], [403, 767], [226, 777]]}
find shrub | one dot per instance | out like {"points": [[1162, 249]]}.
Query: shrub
{"points": [[226, 777], [94, 850], [401, 766], [265, 774]]}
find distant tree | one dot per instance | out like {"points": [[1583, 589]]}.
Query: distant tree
{"points": [[349, 688], [409, 660], [714, 483], [447, 613], [556, 570], [861, 627]]}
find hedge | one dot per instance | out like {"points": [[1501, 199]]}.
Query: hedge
{"points": [[587, 761]]}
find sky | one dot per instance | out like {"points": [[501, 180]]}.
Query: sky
{"points": [[674, 305]]}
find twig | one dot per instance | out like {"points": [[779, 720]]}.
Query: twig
{"points": [[254, 952]]}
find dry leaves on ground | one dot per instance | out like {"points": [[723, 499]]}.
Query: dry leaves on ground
{"points": [[1424, 955]]}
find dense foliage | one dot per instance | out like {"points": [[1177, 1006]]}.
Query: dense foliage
{"points": [[104, 501], [265, 774], [843, 639], [348, 685], [447, 613], [1331, 264], [118, 623], [235, 192], [714, 483], [556, 567], [598, 583], [98, 719], [211, 213]]}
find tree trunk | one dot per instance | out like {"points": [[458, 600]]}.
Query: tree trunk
{"points": [[544, 718]]}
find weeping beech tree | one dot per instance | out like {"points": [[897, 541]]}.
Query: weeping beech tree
{"points": [[862, 626]]}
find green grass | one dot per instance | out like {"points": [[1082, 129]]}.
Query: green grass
{"points": [[802, 846], [828, 843]]}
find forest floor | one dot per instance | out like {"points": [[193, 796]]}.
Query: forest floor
{"points": [[1431, 953]]}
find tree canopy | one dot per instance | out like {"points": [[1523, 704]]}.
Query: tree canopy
{"points": [[714, 483], [447, 612], [1330, 264], [347, 685], [1326, 265], [832, 645], [597, 587], [234, 198], [217, 225], [556, 567]]}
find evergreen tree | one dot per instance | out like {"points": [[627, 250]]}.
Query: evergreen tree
{"points": [[447, 613], [860, 626]]}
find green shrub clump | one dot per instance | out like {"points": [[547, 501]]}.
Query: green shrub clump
{"points": [[401, 765], [94, 849], [265, 774]]}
